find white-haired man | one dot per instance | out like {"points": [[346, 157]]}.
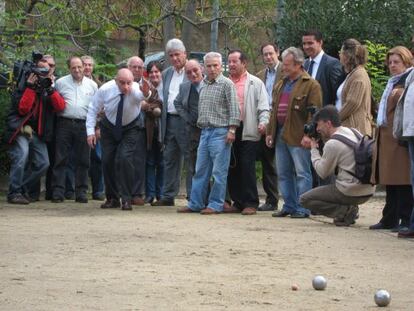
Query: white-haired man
{"points": [[218, 118], [172, 124]]}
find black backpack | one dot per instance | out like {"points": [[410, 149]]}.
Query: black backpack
{"points": [[363, 155]]}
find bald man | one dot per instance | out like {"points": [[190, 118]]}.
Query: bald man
{"points": [[136, 65], [120, 99]]}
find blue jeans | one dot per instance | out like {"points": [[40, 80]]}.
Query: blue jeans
{"points": [[213, 158], [154, 172], [411, 152], [24, 173], [294, 174]]}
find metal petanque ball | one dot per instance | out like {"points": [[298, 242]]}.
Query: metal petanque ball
{"points": [[156, 112], [382, 298], [319, 282]]}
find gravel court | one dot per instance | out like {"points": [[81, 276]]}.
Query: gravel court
{"points": [[74, 256]]}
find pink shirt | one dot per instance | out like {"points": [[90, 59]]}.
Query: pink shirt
{"points": [[240, 84]]}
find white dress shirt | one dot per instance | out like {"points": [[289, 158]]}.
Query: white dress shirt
{"points": [[317, 61], [77, 96], [176, 79], [108, 98]]}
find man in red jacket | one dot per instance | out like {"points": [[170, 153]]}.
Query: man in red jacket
{"points": [[29, 127]]}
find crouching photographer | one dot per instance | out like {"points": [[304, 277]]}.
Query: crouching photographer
{"points": [[338, 200], [30, 125]]}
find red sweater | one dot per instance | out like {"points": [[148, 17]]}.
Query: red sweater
{"points": [[27, 103]]}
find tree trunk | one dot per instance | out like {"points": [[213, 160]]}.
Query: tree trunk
{"points": [[190, 12], [169, 21], [214, 26]]}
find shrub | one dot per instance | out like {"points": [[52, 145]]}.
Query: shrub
{"points": [[376, 68], [4, 109]]}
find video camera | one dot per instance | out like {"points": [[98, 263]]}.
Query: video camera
{"points": [[310, 129], [22, 70]]}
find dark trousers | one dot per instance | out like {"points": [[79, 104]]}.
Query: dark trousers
{"points": [[329, 201], [176, 146], [154, 171], [70, 135], [140, 158], [70, 176], [95, 170], [118, 159], [242, 172], [398, 206], [269, 175], [191, 157]]}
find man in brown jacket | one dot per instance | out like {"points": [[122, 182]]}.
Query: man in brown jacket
{"points": [[292, 99], [270, 76]]}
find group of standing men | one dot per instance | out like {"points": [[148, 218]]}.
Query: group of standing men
{"points": [[219, 125]]}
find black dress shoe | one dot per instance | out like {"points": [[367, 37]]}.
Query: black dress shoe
{"points": [[69, 195], [111, 203], [126, 206], [280, 214], [267, 207], [81, 199], [163, 203], [378, 226]]}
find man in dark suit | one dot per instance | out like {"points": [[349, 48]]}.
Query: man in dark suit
{"points": [[326, 69], [270, 76], [172, 125], [136, 65], [186, 104]]}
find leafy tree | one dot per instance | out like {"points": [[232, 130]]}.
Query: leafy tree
{"points": [[387, 21]]}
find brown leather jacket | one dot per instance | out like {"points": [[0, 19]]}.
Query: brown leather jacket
{"points": [[306, 93]]}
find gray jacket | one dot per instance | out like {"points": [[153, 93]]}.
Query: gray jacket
{"points": [[408, 115], [166, 80]]}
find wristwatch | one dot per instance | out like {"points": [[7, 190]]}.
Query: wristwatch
{"points": [[232, 130]]}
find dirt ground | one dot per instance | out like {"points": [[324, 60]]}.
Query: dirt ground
{"points": [[79, 257]]}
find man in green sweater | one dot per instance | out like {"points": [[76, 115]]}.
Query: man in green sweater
{"points": [[338, 200]]}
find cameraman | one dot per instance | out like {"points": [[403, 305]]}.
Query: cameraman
{"points": [[29, 127], [339, 200]]}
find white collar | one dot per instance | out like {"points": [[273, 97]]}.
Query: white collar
{"points": [[318, 57]]}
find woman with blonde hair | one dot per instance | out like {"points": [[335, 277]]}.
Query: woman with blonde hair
{"points": [[391, 166], [354, 94]]}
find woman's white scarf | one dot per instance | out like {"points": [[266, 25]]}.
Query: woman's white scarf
{"points": [[382, 109]]}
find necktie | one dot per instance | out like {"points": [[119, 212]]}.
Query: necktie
{"points": [[118, 122], [310, 69]]}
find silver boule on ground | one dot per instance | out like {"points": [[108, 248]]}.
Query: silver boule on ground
{"points": [[382, 298], [319, 282]]}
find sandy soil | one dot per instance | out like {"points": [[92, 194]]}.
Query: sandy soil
{"points": [[78, 257]]}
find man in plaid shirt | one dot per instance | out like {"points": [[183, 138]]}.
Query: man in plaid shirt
{"points": [[218, 118]]}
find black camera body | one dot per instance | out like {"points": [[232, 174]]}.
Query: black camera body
{"points": [[310, 129], [22, 70]]}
